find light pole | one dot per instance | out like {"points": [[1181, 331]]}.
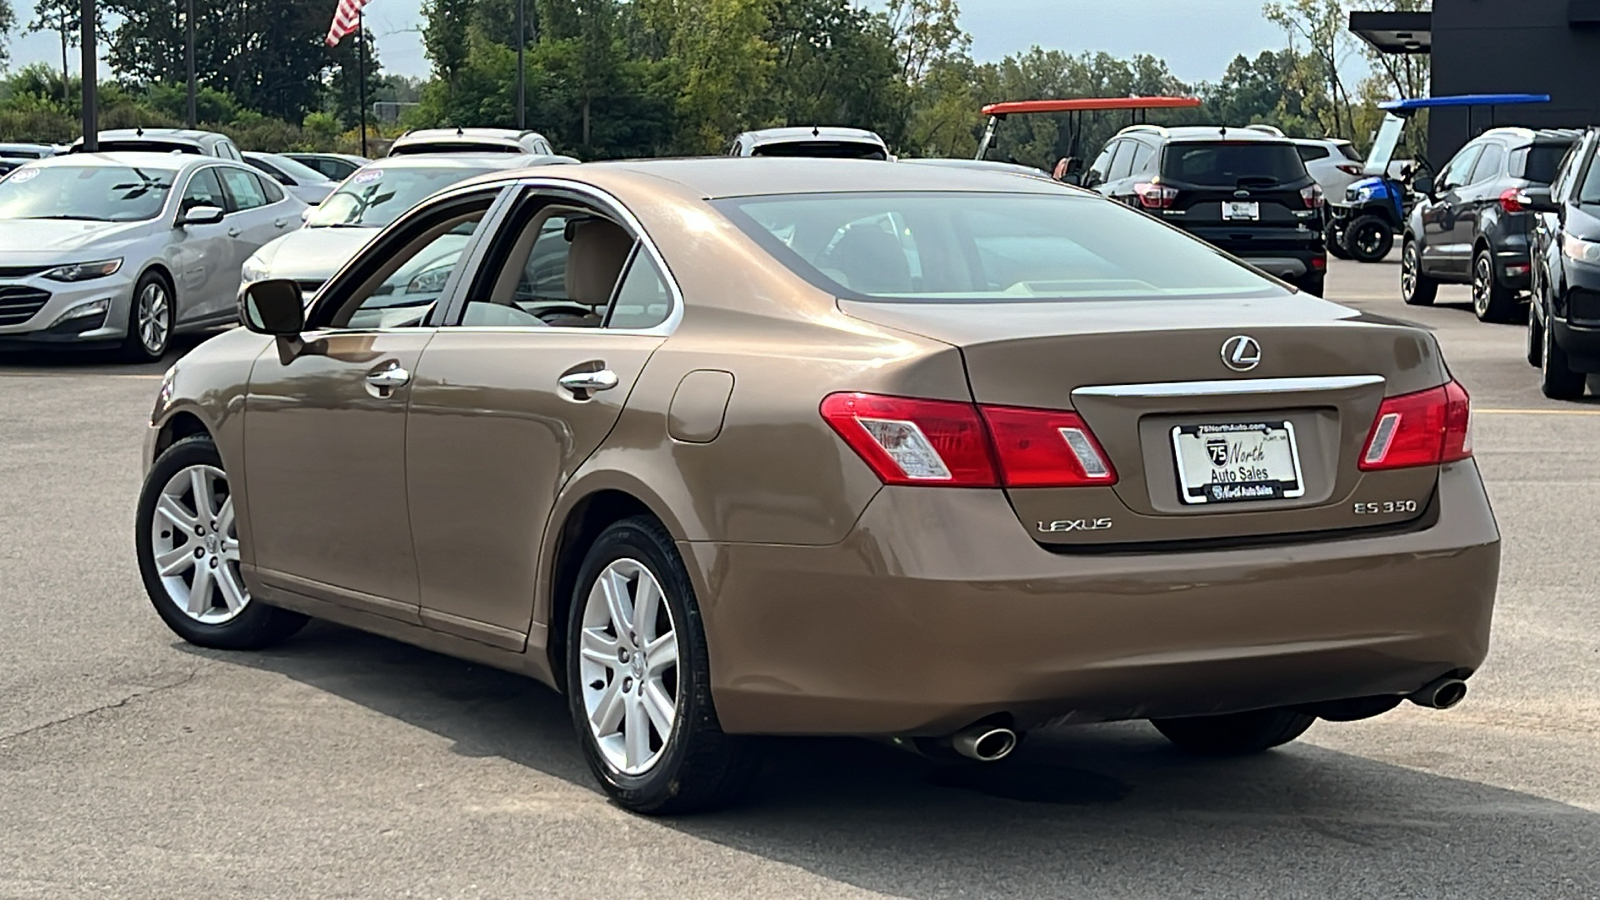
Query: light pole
{"points": [[522, 40], [188, 17], [91, 99]]}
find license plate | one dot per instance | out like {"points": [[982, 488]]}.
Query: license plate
{"points": [[1237, 462], [1234, 210]]}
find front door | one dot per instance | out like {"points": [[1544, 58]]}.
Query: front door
{"points": [[513, 398], [1442, 249], [325, 431], [202, 262]]}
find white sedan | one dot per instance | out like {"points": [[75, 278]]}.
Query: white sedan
{"points": [[129, 248]]}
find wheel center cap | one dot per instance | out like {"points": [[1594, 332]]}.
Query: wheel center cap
{"points": [[213, 545], [638, 665]]}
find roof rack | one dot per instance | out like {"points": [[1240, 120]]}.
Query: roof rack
{"points": [[1145, 128], [1266, 129]]}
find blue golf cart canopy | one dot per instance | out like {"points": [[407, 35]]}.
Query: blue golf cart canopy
{"points": [[1411, 104]]}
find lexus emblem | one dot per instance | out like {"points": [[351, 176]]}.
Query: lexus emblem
{"points": [[1241, 353]]}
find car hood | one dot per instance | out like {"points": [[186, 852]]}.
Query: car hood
{"points": [[313, 254], [41, 241]]}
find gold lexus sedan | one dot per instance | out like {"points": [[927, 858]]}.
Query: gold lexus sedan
{"points": [[735, 447]]}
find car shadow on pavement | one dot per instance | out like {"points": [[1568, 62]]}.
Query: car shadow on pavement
{"points": [[97, 361], [1104, 811]]}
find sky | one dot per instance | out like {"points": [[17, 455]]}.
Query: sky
{"points": [[1197, 38]]}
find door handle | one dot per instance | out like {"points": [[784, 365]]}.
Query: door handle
{"points": [[388, 377], [233, 232], [584, 383], [279, 223]]}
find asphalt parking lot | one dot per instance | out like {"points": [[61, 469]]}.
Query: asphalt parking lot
{"points": [[343, 765]]}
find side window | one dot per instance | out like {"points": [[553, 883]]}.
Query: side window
{"points": [[1456, 171], [1101, 165], [1309, 152], [545, 148], [1143, 154], [642, 299], [243, 188], [1122, 163], [1488, 165], [227, 149], [555, 266], [203, 190], [270, 189], [411, 273]]}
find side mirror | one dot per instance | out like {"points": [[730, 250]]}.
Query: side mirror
{"points": [[1423, 185], [1538, 199], [273, 306], [200, 215]]}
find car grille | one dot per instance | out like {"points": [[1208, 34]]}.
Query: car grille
{"points": [[21, 271], [1583, 307], [18, 304]]}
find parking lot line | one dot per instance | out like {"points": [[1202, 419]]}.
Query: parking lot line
{"points": [[1536, 412]]}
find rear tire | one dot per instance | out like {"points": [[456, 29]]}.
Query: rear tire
{"points": [[1237, 734], [1369, 239], [1313, 284], [1334, 237], [1535, 338], [622, 688], [1416, 289], [185, 527], [1556, 378], [1492, 301]]}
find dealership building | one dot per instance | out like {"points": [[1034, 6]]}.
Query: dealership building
{"points": [[1498, 47]]}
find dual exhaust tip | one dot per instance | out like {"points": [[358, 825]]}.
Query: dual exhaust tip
{"points": [[1441, 693], [984, 743]]}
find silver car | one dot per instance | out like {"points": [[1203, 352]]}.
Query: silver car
{"points": [[297, 178], [366, 202], [129, 248]]}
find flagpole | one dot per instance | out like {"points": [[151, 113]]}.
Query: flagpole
{"points": [[361, 40], [188, 17], [91, 72], [522, 39]]}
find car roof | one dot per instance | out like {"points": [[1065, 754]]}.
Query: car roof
{"points": [[1223, 133], [467, 161], [175, 135], [800, 133], [1533, 135], [176, 162], [992, 165], [741, 176]]}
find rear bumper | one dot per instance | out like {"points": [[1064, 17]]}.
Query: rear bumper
{"points": [[939, 609]]}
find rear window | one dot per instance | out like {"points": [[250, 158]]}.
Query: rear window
{"points": [[822, 150], [454, 147], [1231, 164], [1308, 152], [1538, 162], [970, 247], [146, 147], [1349, 152]]}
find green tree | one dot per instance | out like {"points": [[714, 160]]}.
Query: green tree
{"points": [[1323, 26], [8, 21], [833, 64], [444, 36]]}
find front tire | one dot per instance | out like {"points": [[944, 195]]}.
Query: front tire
{"points": [[1237, 734], [1534, 345], [1556, 378], [188, 549], [1369, 239], [1492, 301], [639, 679], [1416, 289], [150, 318]]}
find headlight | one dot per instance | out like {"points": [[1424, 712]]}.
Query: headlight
{"points": [[84, 271], [1363, 194], [431, 281], [1581, 251], [254, 269]]}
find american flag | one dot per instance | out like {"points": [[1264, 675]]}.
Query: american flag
{"points": [[345, 20]]}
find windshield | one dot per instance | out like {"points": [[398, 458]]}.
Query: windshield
{"points": [[1383, 145], [965, 247], [300, 172], [822, 150], [1231, 163], [93, 193], [376, 196]]}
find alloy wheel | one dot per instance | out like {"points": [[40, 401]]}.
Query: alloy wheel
{"points": [[1408, 270], [195, 546], [153, 312], [628, 663], [1482, 281]]}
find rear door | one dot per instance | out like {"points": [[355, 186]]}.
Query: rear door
{"points": [[259, 212], [515, 394]]}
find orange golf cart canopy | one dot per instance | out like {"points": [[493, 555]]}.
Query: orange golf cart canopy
{"points": [[1016, 107]]}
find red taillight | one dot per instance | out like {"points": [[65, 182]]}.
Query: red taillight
{"points": [[1421, 429], [950, 444], [1349, 168], [1155, 196], [1511, 201], [906, 441], [1046, 448], [1320, 263], [1312, 196]]}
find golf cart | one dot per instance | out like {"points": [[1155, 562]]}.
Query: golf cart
{"points": [[1069, 167], [1363, 226]]}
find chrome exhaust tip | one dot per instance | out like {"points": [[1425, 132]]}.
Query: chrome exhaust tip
{"points": [[984, 743], [1442, 693]]}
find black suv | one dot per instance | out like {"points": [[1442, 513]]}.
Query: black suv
{"points": [[1244, 190], [1564, 317], [1469, 227]]}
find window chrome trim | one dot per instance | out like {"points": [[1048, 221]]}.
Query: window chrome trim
{"points": [[1224, 388]]}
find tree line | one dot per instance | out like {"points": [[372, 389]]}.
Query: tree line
{"points": [[628, 78]]}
